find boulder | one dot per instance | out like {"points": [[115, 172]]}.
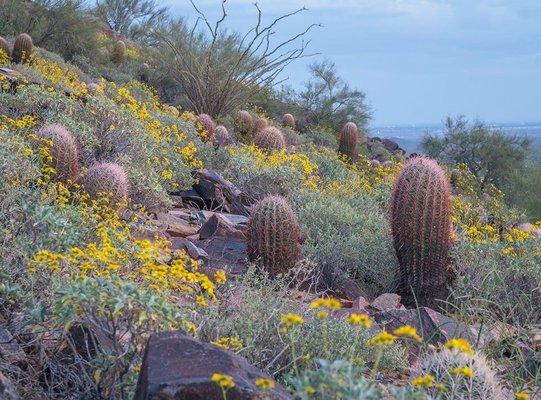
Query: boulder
{"points": [[218, 193], [434, 327], [218, 225], [7, 389], [227, 253], [175, 226], [390, 145], [239, 222], [387, 301], [178, 243], [176, 366]]}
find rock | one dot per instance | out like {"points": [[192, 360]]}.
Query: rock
{"points": [[175, 226], [147, 233], [176, 366], [375, 162], [343, 286], [387, 164], [387, 301], [218, 225], [218, 192], [190, 197], [239, 222], [7, 389], [178, 243], [434, 327], [225, 253], [10, 350], [390, 145]]}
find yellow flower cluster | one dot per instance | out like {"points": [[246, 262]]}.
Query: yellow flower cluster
{"points": [[229, 343], [383, 338], [423, 381], [265, 384], [464, 371], [59, 78], [290, 320], [408, 331], [27, 121], [4, 57]]}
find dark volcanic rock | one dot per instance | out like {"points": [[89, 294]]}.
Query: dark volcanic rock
{"points": [[7, 389], [219, 225], [178, 367], [219, 193]]}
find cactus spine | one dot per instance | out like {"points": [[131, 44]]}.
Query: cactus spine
{"points": [[289, 121], [274, 236], [22, 48], [270, 139], [63, 151], [208, 125], [119, 52], [349, 136], [421, 228], [109, 179], [4, 47]]}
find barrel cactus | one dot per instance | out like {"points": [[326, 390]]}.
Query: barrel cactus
{"points": [[349, 136], [221, 136], [260, 123], [119, 53], [208, 125], [289, 121], [63, 151], [106, 179], [273, 236], [22, 48], [270, 139], [421, 228], [4, 48], [144, 70], [244, 123]]}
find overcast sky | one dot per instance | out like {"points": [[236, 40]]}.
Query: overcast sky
{"points": [[418, 60]]}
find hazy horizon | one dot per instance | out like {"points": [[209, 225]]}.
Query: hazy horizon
{"points": [[417, 60]]}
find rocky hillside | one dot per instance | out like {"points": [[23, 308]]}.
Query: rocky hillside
{"points": [[148, 252]]}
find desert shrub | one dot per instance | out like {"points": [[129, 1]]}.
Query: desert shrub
{"points": [[321, 136], [523, 190], [353, 237], [253, 313]]}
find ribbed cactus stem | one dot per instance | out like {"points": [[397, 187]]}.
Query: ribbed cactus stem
{"points": [[63, 151], [260, 123], [244, 123], [4, 47], [106, 179], [289, 121], [421, 228], [119, 52], [208, 126], [222, 136], [274, 236], [22, 48], [270, 139], [349, 136], [144, 70]]}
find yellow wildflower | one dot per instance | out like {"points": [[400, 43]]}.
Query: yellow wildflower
{"points": [[310, 391], [224, 381], [383, 338], [521, 396], [322, 314], [289, 320], [359, 319], [228, 343], [220, 276], [464, 371], [408, 331], [461, 345], [326, 302], [264, 384], [423, 381]]}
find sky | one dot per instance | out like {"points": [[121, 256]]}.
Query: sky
{"points": [[417, 60]]}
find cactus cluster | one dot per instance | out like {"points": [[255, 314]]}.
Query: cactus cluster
{"points": [[270, 139], [273, 236], [63, 151], [144, 69], [4, 47], [349, 137], [421, 229], [208, 125], [105, 178], [119, 53], [22, 48], [244, 123], [289, 121]]}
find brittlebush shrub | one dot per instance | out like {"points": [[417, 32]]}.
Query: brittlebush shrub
{"points": [[353, 238]]}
